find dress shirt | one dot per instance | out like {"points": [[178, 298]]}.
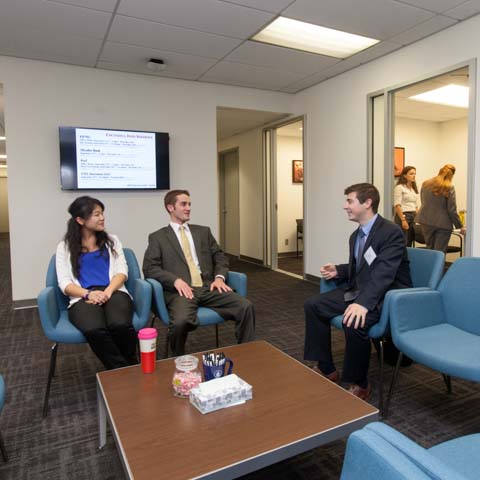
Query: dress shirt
{"points": [[406, 197], [176, 229], [366, 230]]}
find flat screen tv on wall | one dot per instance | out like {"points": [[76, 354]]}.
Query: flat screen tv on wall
{"points": [[101, 159]]}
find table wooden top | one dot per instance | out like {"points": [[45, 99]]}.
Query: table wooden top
{"points": [[163, 436]]}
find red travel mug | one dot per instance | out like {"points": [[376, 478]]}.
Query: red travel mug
{"points": [[148, 346]]}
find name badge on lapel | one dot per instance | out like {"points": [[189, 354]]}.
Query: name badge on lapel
{"points": [[369, 256]]}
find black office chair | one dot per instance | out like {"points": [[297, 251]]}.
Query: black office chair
{"points": [[419, 238], [299, 231]]}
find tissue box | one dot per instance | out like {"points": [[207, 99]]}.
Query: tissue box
{"points": [[220, 393]]}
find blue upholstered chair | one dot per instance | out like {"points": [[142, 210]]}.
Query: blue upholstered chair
{"points": [[52, 308], [440, 329], [379, 451], [2, 402], [206, 316], [426, 268]]}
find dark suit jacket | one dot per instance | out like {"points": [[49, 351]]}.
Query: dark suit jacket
{"points": [[164, 259], [389, 270]]}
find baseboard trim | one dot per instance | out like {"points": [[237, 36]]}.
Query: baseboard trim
{"points": [[312, 278], [23, 304], [245, 258]]}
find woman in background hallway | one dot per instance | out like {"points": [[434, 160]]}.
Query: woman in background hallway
{"points": [[406, 201], [438, 213], [92, 270]]}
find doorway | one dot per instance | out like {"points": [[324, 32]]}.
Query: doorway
{"points": [[425, 135], [229, 202], [4, 224], [284, 177]]}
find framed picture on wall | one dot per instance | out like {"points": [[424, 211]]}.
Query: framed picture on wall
{"points": [[398, 161], [297, 171]]}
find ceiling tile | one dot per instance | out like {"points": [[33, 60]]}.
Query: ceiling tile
{"points": [[49, 46], [249, 76], [433, 25], [437, 6], [133, 58], [254, 53], [53, 17], [465, 10], [104, 5], [371, 53], [211, 16], [378, 19], [274, 6], [304, 83], [174, 39]]}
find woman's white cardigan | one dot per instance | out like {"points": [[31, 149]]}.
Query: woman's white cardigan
{"points": [[65, 275]]}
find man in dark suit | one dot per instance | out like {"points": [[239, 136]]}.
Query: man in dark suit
{"points": [[192, 269], [378, 262]]}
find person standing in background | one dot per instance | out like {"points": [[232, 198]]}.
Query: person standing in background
{"points": [[406, 202], [438, 212]]}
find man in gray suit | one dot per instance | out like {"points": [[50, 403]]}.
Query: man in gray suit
{"points": [[192, 269]]}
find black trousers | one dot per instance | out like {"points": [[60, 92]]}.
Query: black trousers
{"points": [[108, 329], [319, 309], [229, 305], [410, 233]]}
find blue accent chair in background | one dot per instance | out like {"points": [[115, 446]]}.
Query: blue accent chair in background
{"points": [[52, 308], [379, 451], [426, 269], [3, 391], [206, 316], [441, 329]]}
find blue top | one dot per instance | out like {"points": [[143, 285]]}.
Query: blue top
{"points": [[94, 269]]}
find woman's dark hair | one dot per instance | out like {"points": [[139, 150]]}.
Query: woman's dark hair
{"points": [[83, 207], [402, 179]]}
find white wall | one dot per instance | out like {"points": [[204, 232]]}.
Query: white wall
{"points": [[40, 96], [430, 145], [250, 160], [289, 194], [336, 141]]}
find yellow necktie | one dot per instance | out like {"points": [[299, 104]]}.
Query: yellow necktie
{"points": [[194, 271]]}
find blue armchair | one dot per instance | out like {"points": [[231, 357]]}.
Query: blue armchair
{"points": [[440, 328], [2, 402], [206, 316], [426, 268], [52, 308], [379, 451]]}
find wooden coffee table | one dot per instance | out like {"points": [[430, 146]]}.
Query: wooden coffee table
{"points": [[161, 436]]}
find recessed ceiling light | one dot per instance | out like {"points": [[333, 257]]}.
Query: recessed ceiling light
{"points": [[313, 38], [452, 95], [3, 138], [3, 156]]}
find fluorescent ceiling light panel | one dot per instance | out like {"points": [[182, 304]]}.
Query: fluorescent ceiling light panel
{"points": [[313, 38], [3, 156], [3, 138], [452, 95]]}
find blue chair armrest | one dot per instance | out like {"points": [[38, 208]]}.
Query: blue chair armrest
{"points": [[48, 310], [328, 285], [421, 457], [142, 298], [3, 391], [158, 304], [238, 282], [413, 309], [382, 327], [369, 456]]}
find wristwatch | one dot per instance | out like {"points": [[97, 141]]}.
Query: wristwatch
{"points": [[85, 296]]}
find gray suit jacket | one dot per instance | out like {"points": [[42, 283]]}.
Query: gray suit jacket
{"points": [[439, 211], [164, 259]]}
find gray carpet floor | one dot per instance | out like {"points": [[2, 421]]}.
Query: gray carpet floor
{"points": [[64, 446]]}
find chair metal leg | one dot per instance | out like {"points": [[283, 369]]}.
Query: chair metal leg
{"points": [[3, 449], [51, 374], [380, 378], [216, 335], [392, 384], [448, 382], [152, 320]]}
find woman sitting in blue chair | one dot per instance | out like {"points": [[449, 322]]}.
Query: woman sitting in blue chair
{"points": [[92, 271]]}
